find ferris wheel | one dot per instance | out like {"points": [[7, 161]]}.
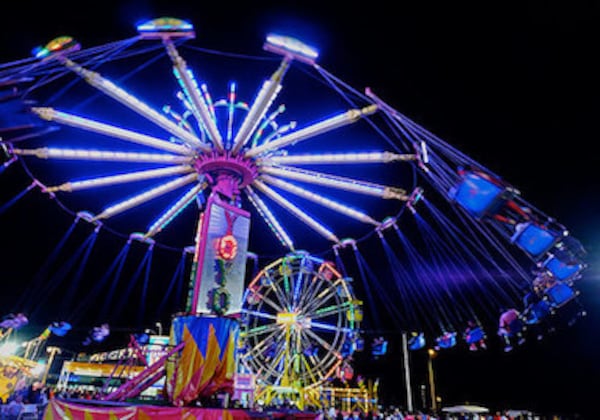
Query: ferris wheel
{"points": [[300, 321]]}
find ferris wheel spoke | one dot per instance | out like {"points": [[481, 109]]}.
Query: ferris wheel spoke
{"points": [[261, 346], [279, 359], [270, 281], [115, 92], [312, 356], [309, 286], [265, 299], [258, 296], [261, 315], [259, 349], [262, 329], [256, 349], [321, 326], [288, 296], [121, 178], [269, 218], [273, 285], [327, 293], [299, 286], [323, 343], [146, 196], [50, 114], [190, 88], [313, 130], [327, 311], [317, 286], [338, 182], [312, 223]]}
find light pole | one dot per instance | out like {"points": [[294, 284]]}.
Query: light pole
{"points": [[431, 353], [409, 401]]}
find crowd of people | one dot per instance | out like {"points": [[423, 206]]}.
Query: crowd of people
{"points": [[31, 399], [396, 413], [36, 397]]}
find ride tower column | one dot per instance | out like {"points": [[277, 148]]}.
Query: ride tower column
{"points": [[221, 247], [210, 326]]}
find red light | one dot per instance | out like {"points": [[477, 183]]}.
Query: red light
{"points": [[227, 247]]}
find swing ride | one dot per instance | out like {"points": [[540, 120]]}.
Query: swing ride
{"points": [[407, 229]]}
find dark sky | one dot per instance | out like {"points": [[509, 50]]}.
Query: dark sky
{"points": [[515, 86]]}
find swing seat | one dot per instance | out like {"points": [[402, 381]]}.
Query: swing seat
{"points": [[561, 270], [446, 341], [478, 196], [514, 328], [560, 294], [416, 342], [534, 239], [475, 336], [538, 311], [379, 348]]}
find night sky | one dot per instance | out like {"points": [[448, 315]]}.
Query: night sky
{"points": [[514, 86]]}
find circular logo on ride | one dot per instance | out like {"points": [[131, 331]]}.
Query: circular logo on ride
{"points": [[227, 247]]}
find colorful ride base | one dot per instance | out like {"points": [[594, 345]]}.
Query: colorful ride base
{"points": [[60, 409]]}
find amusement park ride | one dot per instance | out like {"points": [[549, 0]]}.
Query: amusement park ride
{"points": [[294, 327]]}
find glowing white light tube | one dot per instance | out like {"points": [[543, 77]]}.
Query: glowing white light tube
{"points": [[190, 86], [50, 114], [333, 181], [334, 158], [269, 121], [115, 92], [146, 196], [269, 218], [101, 155], [319, 199], [121, 178], [261, 104], [174, 210], [295, 211], [346, 118], [277, 132], [230, 109]]}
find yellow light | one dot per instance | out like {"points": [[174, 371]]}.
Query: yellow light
{"points": [[286, 318]]}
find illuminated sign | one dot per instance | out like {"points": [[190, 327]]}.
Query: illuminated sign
{"points": [[220, 259]]}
